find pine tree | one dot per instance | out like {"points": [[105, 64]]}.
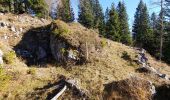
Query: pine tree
{"points": [[166, 48], [99, 22], [153, 21], [65, 11], [107, 14], [113, 25], [141, 29], [6, 5], [167, 8], [85, 14], [124, 27], [154, 42], [39, 7], [19, 6]]}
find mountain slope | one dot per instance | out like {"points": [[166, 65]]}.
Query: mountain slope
{"points": [[114, 62]]}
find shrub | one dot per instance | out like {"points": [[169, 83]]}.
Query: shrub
{"points": [[103, 42], [60, 28], [9, 57], [126, 56]]}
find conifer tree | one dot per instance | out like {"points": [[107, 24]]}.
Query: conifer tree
{"points": [[85, 14], [124, 27], [167, 8], [154, 40], [6, 5], [107, 14], [113, 25], [99, 22], [141, 29], [39, 7], [65, 11], [22, 6], [153, 21]]}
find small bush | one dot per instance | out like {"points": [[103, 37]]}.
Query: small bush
{"points": [[9, 57], [61, 28], [31, 71], [103, 42]]}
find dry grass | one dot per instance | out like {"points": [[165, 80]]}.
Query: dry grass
{"points": [[108, 66]]}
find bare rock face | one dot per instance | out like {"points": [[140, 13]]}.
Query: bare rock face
{"points": [[129, 89], [72, 43]]}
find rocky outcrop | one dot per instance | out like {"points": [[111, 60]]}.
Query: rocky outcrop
{"points": [[72, 43], [146, 68]]}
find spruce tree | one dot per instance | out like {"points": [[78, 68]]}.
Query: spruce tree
{"points": [[65, 11], [113, 25], [155, 39], [6, 5], [141, 29], [99, 22], [166, 49], [167, 9], [39, 7], [107, 14], [153, 21], [124, 27], [85, 13]]}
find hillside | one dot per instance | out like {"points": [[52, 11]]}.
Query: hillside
{"points": [[24, 76]]}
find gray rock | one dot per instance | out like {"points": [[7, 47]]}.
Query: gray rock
{"points": [[1, 57], [41, 53], [1, 14], [2, 24], [152, 89], [13, 29], [17, 34], [5, 36], [20, 29]]}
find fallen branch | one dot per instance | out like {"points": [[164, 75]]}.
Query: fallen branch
{"points": [[60, 93], [70, 84]]}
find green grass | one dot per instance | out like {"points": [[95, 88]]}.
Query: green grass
{"points": [[61, 28], [4, 79], [9, 57]]}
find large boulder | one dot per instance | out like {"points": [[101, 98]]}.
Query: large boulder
{"points": [[72, 43], [129, 89]]}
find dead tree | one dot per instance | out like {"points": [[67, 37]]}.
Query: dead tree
{"points": [[160, 4]]}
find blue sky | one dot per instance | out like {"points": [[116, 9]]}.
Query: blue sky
{"points": [[130, 5]]}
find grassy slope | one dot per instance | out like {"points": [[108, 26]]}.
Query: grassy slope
{"points": [[107, 67]]}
